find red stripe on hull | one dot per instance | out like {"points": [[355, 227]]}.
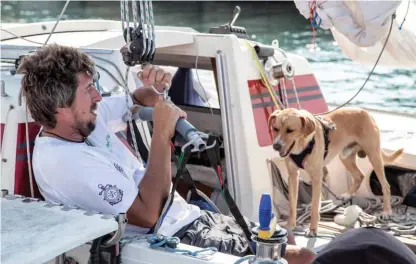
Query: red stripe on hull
{"points": [[316, 104], [21, 177], [1, 135]]}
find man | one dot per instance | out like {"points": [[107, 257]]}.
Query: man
{"points": [[78, 160]]}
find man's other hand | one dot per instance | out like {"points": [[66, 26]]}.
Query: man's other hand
{"points": [[156, 76], [165, 117]]}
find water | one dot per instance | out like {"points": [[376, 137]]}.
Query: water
{"points": [[339, 77]]}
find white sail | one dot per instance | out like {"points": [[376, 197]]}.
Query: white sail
{"points": [[361, 28]]}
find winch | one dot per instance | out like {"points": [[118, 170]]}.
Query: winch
{"points": [[270, 239]]}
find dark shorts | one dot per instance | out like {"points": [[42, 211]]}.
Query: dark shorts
{"points": [[365, 245], [216, 230]]}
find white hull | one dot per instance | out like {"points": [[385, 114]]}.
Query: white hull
{"points": [[247, 169]]}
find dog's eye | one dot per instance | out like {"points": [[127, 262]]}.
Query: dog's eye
{"points": [[275, 129], [289, 130]]}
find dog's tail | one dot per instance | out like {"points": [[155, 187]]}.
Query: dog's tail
{"points": [[389, 158]]}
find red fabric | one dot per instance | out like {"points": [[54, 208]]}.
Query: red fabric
{"points": [[309, 94], [1, 134], [21, 178]]}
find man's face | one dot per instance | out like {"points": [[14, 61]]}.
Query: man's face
{"points": [[85, 105]]}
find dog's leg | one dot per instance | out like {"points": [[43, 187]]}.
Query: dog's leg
{"points": [[293, 193], [316, 175], [357, 175], [376, 159]]}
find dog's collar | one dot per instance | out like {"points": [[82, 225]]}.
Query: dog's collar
{"points": [[299, 158]]}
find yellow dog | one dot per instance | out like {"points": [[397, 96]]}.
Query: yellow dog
{"points": [[308, 142]]}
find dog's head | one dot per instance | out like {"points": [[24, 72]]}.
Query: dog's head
{"points": [[291, 129]]}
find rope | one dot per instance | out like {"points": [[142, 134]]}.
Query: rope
{"points": [[370, 216], [296, 93], [152, 27], [142, 25], [11, 107], [249, 258], [369, 75], [29, 164], [147, 24], [125, 21], [205, 197], [283, 85], [57, 21], [168, 243], [263, 76]]}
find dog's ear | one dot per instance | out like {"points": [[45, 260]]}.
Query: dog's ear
{"points": [[272, 117], [308, 123]]}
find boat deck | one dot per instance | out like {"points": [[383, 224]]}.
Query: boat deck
{"points": [[328, 229]]}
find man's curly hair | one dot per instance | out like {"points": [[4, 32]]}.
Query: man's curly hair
{"points": [[49, 80]]}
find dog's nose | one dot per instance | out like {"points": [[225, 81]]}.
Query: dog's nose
{"points": [[277, 146]]}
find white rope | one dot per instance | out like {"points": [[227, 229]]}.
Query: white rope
{"points": [[125, 20], [147, 24], [11, 107], [142, 25], [152, 26], [29, 164], [296, 93], [283, 85], [205, 197], [397, 224]]}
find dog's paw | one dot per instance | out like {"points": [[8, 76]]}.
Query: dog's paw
{"points": [[311, 233], [345, 197], [386, 215]]}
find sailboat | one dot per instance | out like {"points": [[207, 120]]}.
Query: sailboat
{"points": [[247, 78]]}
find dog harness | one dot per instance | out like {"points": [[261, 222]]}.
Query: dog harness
{"points": [[299, 158]]}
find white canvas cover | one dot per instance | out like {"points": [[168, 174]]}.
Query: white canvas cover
{"points": [[361, 27]]}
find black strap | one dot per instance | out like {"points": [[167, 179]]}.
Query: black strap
{"points": [[298, 158], [214, 158], [143, 151], [186, 177], [104, 255], [171, 196]]}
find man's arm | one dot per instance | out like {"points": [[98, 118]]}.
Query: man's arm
{"points": [[145, 96], [155, 185]]}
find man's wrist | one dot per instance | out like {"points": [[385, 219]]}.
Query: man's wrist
{"points": [[161, 136], [135, 99], [145, 96]]}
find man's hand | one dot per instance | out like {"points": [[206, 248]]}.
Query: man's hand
{"points": [[156, 76], [151, 75], [165, 117]]}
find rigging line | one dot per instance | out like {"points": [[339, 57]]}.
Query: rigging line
{"points": [[371, 72], [23, 38], [109, 73], [197, 76], [57, 21], [112, 64]]}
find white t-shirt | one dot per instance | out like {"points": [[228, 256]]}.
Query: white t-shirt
{"points": [[103, 177]]}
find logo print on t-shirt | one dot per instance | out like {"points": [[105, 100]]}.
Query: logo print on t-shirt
{"points": [[112, 194], [118, 167], [108, 143]]}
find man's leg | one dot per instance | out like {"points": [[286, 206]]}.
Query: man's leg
{"points": [[223, 233], [366, 245]]}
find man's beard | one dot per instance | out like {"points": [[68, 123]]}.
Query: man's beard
{"points": [[86, 128], [89, 127]]}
